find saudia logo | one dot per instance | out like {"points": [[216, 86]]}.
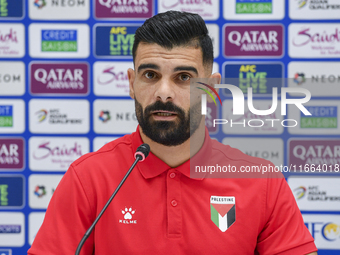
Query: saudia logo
{"points": [[108, 75], [174, 3], [305, 37], [45, 150], [121, 42], [238, 103], [10, 37]]}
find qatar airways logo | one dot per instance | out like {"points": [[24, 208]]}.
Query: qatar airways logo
{"points": [[124, 9], [174, 3], [306, 36], [253, 40], [59, 78]]}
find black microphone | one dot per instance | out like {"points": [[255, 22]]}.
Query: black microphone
{"points": [[141, 153]]}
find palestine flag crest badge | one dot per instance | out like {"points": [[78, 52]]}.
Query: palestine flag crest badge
{"points": [[223, 211]]}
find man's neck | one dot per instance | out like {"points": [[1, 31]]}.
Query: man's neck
{"points": [[174, 156]]}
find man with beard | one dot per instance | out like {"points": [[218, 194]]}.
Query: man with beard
{"points": [[160, 209]]}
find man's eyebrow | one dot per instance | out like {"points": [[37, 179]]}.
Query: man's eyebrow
{"points": [[146, 66], [186, 68]]}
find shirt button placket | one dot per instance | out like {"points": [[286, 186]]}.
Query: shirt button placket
{"points": [[174, 208]]}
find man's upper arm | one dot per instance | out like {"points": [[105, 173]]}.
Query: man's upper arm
{"points": [[67, 218], [284, 231]]}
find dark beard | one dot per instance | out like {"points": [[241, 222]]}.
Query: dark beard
{"points": [[169, 133]]}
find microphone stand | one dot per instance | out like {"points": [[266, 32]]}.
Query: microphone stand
{"points": [[88, 232]]}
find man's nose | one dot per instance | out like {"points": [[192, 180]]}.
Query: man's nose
{"points": [[165, 90]]}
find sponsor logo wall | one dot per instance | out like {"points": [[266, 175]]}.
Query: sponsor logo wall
{"points": [[64, 92]]}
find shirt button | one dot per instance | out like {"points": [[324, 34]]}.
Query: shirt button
{"points": [[172, 175], [174, 203]]}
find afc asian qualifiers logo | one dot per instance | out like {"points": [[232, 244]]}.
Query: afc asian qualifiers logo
{"points": [[223, 211]]}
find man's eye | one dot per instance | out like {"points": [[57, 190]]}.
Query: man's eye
{"points": [[184, 77], [150, 75]]}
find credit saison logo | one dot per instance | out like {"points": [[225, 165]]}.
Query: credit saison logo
{"points": [[6, 116], [322, 117], [59, 41], [121, 42], [256, 7], [238, 105]]}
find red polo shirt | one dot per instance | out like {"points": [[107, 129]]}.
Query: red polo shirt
{"points": [[161, 210]]}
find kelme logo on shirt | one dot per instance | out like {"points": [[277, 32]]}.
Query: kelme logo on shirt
{"points": [[128, 216], [222, 211]]}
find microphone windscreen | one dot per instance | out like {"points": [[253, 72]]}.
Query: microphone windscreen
{"points": [[144, 148]]}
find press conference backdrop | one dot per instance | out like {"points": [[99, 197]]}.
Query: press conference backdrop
{"points": [[64, 93]]}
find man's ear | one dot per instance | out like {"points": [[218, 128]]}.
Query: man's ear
{"points": [[215, 78], [131, 76]]}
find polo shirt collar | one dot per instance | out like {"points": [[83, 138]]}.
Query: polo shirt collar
{"points": [[152, 166]]}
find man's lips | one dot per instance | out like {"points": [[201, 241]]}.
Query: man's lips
{"points": [[164, 115]]}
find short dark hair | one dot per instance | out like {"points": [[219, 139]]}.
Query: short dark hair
{"points": [[174, 28]]}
